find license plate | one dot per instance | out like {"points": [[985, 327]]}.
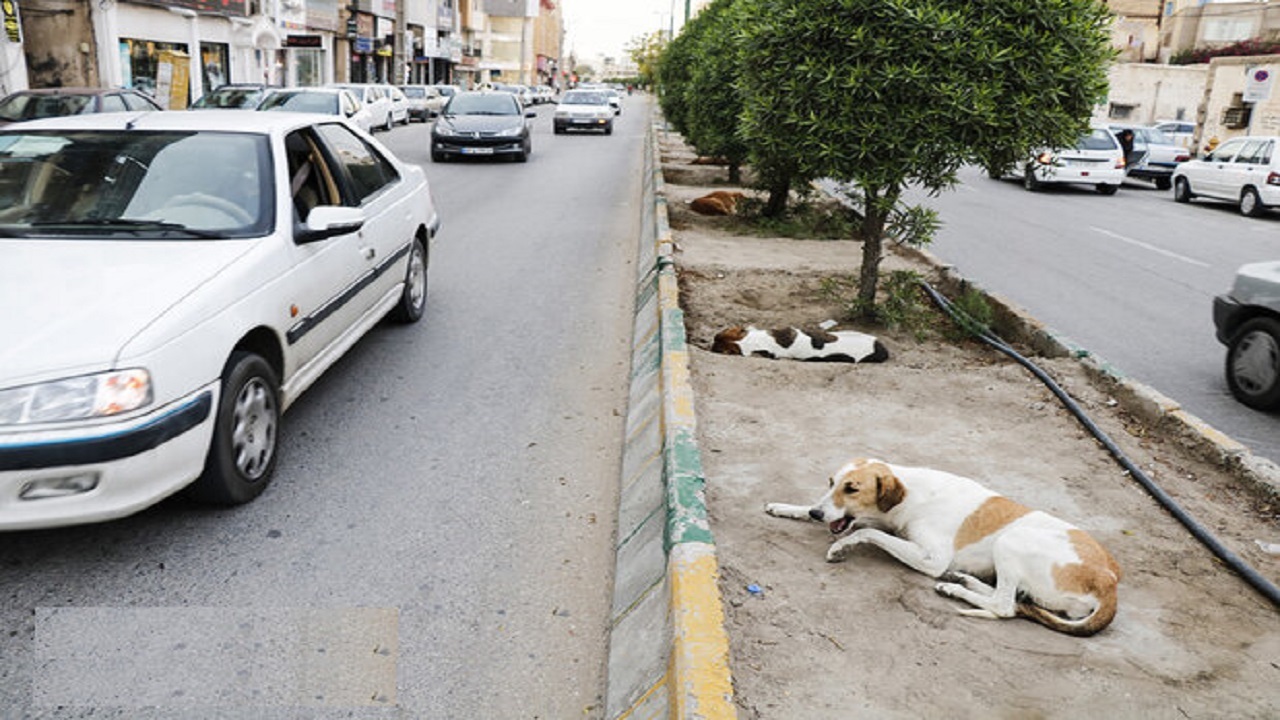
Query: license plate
{"points": [[587, 121], [477, 151]]}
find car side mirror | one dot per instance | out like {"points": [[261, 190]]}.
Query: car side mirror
{"points": [[326, 221], [531, 114], [433, 113]]}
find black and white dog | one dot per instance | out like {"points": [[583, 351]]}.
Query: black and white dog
{"points": [[795, 344]]}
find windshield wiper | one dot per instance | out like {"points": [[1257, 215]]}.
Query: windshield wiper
{"points": [[130, 224]]}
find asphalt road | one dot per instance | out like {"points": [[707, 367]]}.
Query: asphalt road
{"points": [[1130, 277], [437, 542]]}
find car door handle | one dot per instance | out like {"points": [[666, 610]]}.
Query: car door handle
{"points": [[369, 253]]}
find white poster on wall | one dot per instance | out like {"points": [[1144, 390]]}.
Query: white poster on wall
{"points": [[1257, 84]]}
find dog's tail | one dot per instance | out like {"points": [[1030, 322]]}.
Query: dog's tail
{"points": [[1082, 627]]}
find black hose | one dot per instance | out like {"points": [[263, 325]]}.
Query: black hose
{"points": [[1250, 575]]}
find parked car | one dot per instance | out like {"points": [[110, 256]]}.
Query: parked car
{"points": [[1242, 170], [1154, 156], [399, 105], [584, 110], [239, 96], [1247, 321], [173, 282], [482, 123], [322, 100], [377, 99], [58, 102], [1096, 159], [425, 101], [1181, 132]]}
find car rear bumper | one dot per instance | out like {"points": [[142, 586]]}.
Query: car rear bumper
{"points": [[136, 463], [1100, 173]]}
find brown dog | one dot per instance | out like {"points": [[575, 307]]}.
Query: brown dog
{"points": [[720, 202]]}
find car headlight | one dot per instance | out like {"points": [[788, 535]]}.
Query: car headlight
{"points": [[562, 114], [510, 132], [77, 398], [604, 114], [442, 131]]}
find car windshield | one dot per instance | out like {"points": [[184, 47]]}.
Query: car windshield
{"points": [[129, 184], [1098, 139], [591, 98], [301, 101], [1157, 137], [34, 106], [482, 104], [229, 98], [414, 92]]}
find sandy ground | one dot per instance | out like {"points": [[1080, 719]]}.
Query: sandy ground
{"points": [[868, 637]]}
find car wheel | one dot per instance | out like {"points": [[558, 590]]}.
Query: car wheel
{"points": [[1163, 183], [1250, 204], [1253, 364], [389, 123], [242, 454], [1182, 190], [558, 130], [1104, 189], [523, 155], [608, 128], [1029, 180], [413, 299]]}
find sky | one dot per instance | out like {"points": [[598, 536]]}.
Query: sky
{"points": [[606, 27]]}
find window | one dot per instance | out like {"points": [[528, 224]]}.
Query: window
{"points": [[1255, 151], [113, 103], [367, 171], [1225, 152]]}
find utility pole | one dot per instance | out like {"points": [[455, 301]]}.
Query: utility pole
{"points": [[399, 52]]}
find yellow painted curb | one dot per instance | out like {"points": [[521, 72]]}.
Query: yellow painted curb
{"points": [[701, 685]]}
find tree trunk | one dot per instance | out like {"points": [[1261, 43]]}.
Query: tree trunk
{"points": [[779, 193], [735, 172], [874, 215]]}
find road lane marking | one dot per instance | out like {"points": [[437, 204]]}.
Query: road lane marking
{"points": [[1152, 248]]}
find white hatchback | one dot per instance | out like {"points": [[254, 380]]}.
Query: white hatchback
{"points": [[1243, 170], [378, 99], [1096, 160], [584, 110], [171, 283]]}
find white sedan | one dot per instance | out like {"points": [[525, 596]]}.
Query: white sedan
{"points": [[584, 110], [1096, 160], [171, 283]]}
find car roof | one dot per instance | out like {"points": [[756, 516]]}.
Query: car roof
{"points": [[241, 121], [71, 91]]}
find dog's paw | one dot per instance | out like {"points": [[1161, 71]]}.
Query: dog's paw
{"points": [[774, 509], [948, 589], [837, 551]]}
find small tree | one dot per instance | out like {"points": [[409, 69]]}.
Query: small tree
{"points": [[675, 70], [712, 100], [645, 51], [883, 94]]}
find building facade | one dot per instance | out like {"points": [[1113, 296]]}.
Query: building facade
{"points": [[179, 49]]}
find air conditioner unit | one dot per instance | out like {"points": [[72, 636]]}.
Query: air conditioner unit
{"points": [[1236, 118]]}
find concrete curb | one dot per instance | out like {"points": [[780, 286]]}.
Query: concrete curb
{"points": [[669, 652]]}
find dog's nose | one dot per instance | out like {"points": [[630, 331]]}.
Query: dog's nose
{"points": [[816, 514]]}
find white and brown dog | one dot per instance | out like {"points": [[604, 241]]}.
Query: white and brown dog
{"points": [[953, 528], [796, 344]]}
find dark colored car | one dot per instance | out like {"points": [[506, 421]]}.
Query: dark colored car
{"points": [[482, 124], [240, 96], [59, 102]]}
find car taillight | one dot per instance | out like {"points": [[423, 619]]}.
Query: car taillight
{"points": [[1045, 158], [1182, 158], [1120, 163], [1273, 178]]}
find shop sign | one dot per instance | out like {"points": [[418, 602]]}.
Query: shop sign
{"points": [[364, 45], [239, 8], [303, 41]]}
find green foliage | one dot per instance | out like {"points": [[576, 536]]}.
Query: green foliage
{"points": [[884, 94], [805, 221], [973, 314], [675, 72], [646, 52], [713, 103], [903, 308]]}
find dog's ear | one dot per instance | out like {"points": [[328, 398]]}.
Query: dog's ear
{"points": [[726, 341], [889, 491]]}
